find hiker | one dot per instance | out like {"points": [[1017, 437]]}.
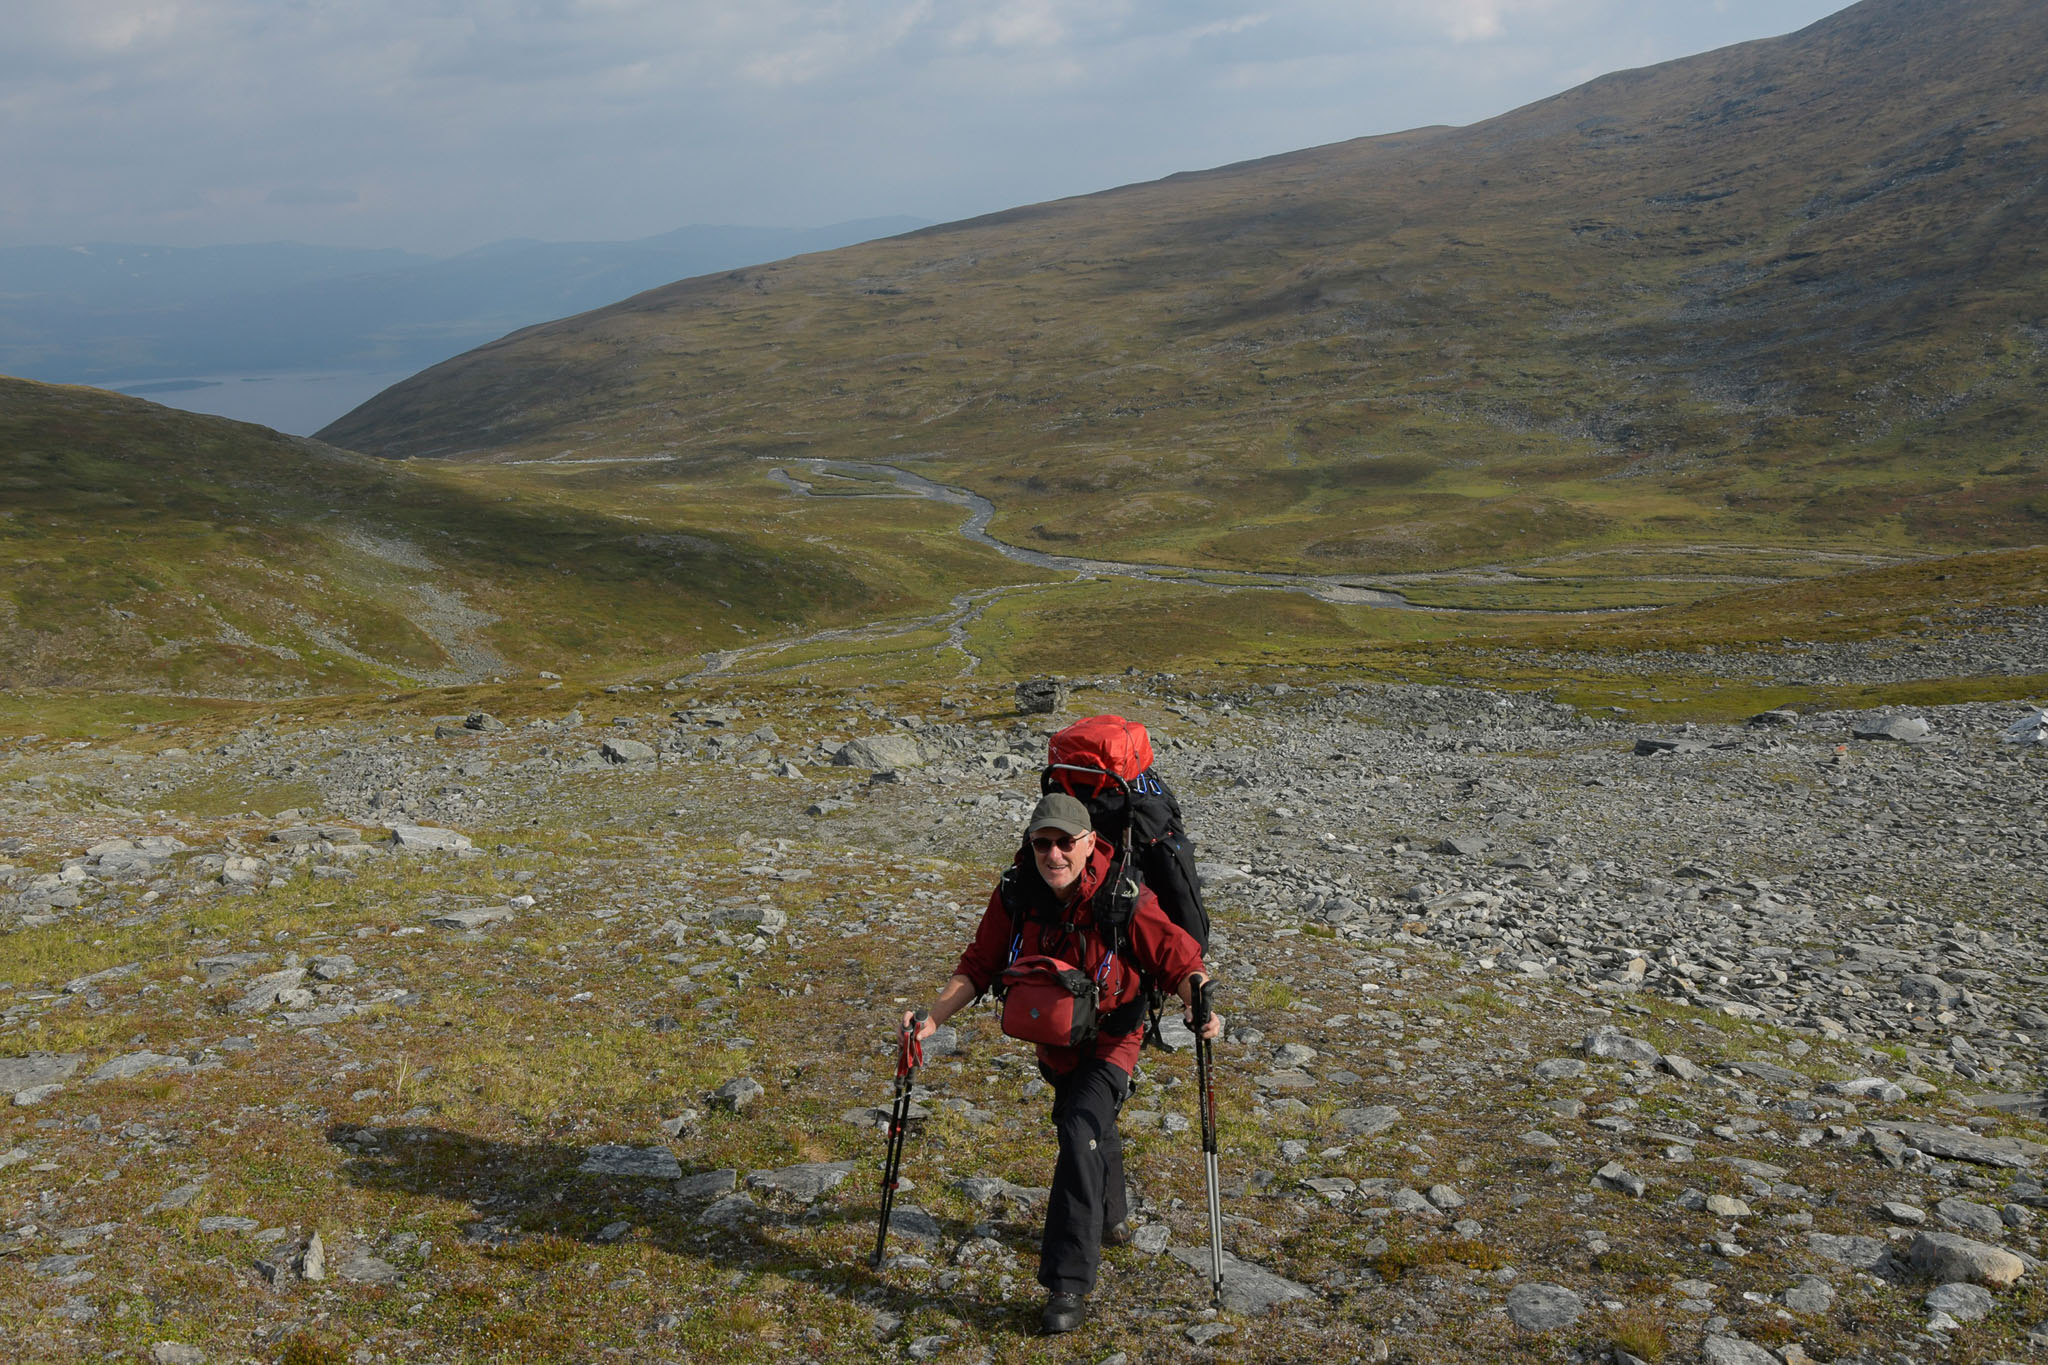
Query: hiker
{"points": [[1059, 875]]}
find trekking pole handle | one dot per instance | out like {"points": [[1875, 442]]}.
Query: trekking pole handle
{"points": [[910, 1048], [1203, 1005]]}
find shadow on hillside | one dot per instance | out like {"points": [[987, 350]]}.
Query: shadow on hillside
{"points": [[523, 1191]]}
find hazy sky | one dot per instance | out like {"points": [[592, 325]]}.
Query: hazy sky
{"points": [[440, 125]]}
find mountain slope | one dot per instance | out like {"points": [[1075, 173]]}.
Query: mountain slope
{"points": [[1781, 292], [149, 549]]}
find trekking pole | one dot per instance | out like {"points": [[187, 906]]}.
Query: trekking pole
{"points": [[909, 1056], [1205, 1076]]}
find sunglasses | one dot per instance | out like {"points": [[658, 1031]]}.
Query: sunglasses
{"points": [[1046, 843]]}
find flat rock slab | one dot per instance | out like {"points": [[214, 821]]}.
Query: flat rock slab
{"points": [[1376, 1118], [1959, 1144], [1735, 1351], [911, 1222], [806, 1181], [708, 1184], [2034, 1105], [1963, 1302], [1900, 729], [1538, 1307], [38, 1068], [648, 1163], [1858, 1253], [429, 839], [988, 1189], [730, 1212], [363, 1268], [1247, 1288], [136, 1064], [472, 919]]}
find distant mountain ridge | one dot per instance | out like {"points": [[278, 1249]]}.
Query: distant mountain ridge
{"points": [[1787, 290], [115, 312]]}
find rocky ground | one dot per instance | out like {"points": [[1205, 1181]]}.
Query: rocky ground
{"points": [[1553, 1037]]}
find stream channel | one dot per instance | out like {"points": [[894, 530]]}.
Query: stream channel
{"points": [[980, 511]]}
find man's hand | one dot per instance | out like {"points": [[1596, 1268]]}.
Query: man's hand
{"points": [[919, 1020], [1203, 1020]]}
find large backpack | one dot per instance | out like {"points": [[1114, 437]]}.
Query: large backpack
{"points": [[1106, 763]]}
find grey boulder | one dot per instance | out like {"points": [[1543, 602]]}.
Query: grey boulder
{"points": [[880, 752], [1538, 1307], [1949, 1257]]}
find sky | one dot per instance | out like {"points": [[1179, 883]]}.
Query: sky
{"points": [[442, 125]]}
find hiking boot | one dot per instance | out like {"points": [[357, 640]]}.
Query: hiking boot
{"points": [[1117, 1235], [1064, 1312]]}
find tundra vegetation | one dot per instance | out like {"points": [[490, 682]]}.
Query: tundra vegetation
{"points": [[1582, 573]]}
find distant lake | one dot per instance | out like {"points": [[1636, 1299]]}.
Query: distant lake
{"points": [[299, 404]]}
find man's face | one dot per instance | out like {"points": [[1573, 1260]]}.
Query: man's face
{"points": [[1060, 857]]}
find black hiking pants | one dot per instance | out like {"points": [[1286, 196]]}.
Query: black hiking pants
{"points": [[1088, 1182]]}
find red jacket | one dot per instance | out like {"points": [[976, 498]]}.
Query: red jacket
{"points": [[1160, 948]]}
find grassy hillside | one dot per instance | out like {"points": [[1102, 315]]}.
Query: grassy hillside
{"points": [[1779, 295], [151, 549]]}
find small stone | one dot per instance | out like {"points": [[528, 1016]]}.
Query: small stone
{"points": [[707, 1184], [1620, 1179], [1963, 1302], [1538, 1307], [1970, 1216], [1041, 696], [1858, 1253], [363, 1268], [729, 1212], [916, 1224], [1727, 1206], [1735, 1351], [313, 1260], [1906, 1215], [1152, 1238], [1611, 1044], [737, 1094], [1812, 1296], [176, 1353], [1368, 1121]]}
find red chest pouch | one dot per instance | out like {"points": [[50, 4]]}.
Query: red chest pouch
{"points": [[1048, 1001]]}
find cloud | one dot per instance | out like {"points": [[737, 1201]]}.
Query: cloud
{"points": [[448, 123]]}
